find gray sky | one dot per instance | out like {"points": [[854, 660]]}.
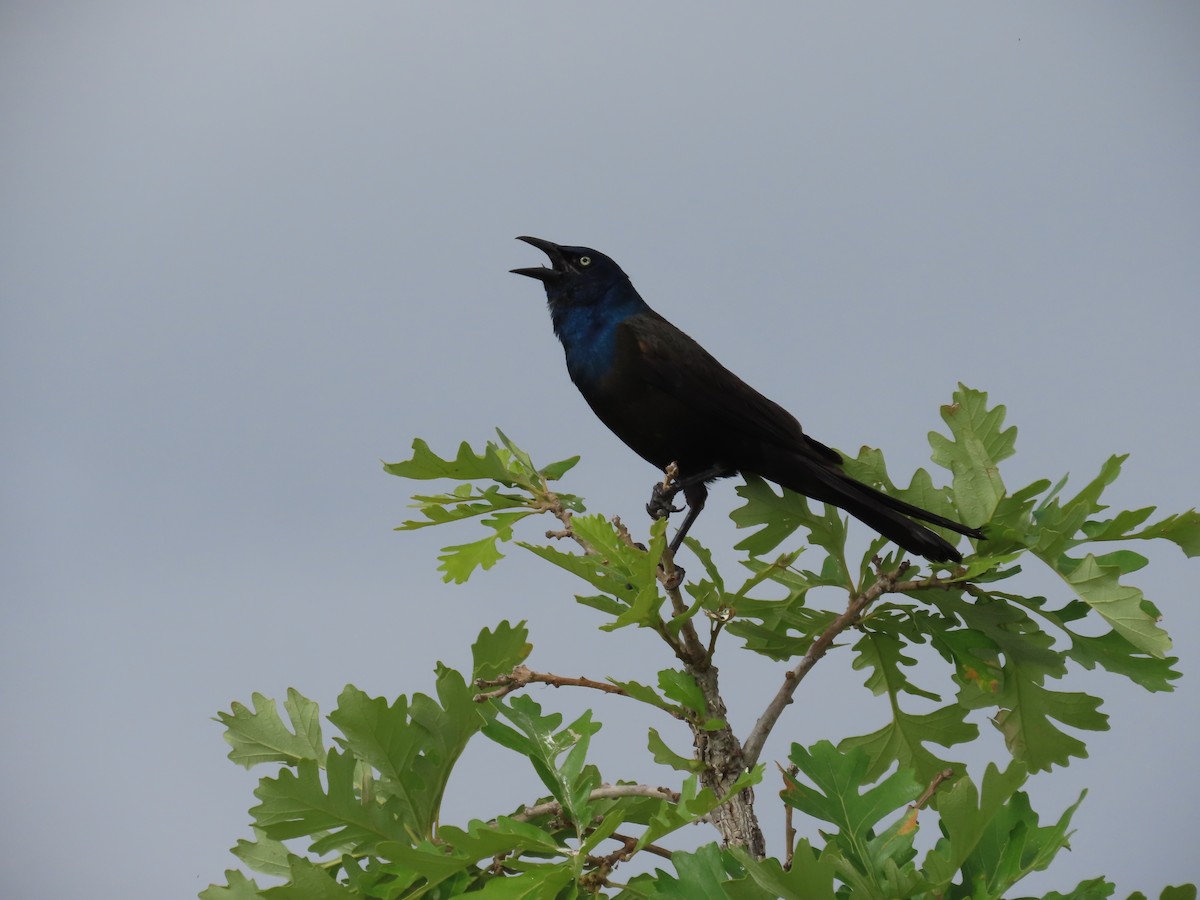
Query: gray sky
{"points": [[247, 251]]}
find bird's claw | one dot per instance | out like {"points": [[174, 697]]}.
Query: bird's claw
{"points": [[660, 506], [674, 579]]}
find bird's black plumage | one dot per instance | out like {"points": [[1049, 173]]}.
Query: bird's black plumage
{"points": [[667, 398]]}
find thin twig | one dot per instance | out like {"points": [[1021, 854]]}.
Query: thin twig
{"points": [[789, 829], [604, 792], [649, 848], [670, 473], [521, 676], [933, 786], [606, 863], [671, 578], [677, 648], [909, 824], [713, 632], [550, 502], [624, 535]]}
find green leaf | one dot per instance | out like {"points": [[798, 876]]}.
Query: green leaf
{"points": [[977, 444], [483, 840], [1122, 606], [627, 574], [1059, 523], [464, 502], [1116, 654], [1118, 527], [309, 882], [869, 468], [538, 739], [664, 755], [994, 840], [496, 652], [536, 882], [505, 464], [647, 694], [606, 605], [1027, 707], [1092, 889], [682, 688], [903, 741], [433, 864], [1110, 650], [700, 875], [966, 817], [413, 746], [260, 736], [810, 876], [237, 887], [458, 562], [264, 854], [706, 560], [297, 804], [1029, 734], [767, 626], [777, 513], [518, 460], [1182, 529], [835, 797], [882, 651], [556, 470], [780, 515], [467, 466], [592, 569]]}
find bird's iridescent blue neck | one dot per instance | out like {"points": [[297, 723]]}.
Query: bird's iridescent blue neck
{"points": [[587, 327]]}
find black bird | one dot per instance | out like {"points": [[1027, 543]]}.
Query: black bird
{"points": [[667, 398]]}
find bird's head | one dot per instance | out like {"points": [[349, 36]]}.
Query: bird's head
{"points": [[575, 274]]}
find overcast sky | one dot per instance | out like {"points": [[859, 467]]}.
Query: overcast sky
{"points": [[249, 250]]}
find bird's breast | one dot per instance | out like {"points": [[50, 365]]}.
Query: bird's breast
{"points": [[589, 342]]}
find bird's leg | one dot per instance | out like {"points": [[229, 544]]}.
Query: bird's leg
{"points": [[696, 497], [696, 494]]}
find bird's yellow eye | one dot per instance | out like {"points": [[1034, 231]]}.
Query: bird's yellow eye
{"points": [[585, 260]]}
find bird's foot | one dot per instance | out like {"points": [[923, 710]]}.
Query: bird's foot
{"points": [[672, 579], [660, 506]]}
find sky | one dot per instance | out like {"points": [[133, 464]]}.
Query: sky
{"points": [[248, 251]]}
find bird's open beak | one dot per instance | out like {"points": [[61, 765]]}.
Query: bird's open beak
{"points": [[541, 273]]}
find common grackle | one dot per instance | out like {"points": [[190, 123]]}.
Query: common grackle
{"points": [[667, 398]]}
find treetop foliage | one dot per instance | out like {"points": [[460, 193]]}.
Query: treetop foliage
{"points": [[360, 815]]}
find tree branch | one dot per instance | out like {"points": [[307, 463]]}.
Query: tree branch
{"points": [[885, 582], [550, 503], [606, 863], [671, 577], [604, 792], [521, 676], [910, 820], [789, 828], [933, 786]]}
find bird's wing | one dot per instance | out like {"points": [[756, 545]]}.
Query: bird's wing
{"points": [[669, 361]]}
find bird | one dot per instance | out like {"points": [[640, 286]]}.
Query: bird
{"points": [[672, 402]]}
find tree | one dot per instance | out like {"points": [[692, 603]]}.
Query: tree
{"points": [[363, 814]]}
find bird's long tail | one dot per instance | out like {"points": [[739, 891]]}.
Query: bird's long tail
{"points": [[886, 514]]}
